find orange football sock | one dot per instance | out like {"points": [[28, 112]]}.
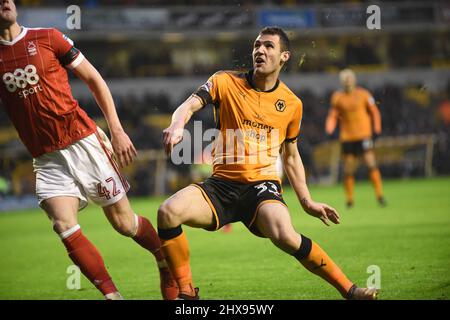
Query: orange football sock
{"points": [[375, 177], [176, 251], [349, 185], [319, 263]]}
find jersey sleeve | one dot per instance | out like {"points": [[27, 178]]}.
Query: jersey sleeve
{"points": [[293, 129], [209, 92], [370, 99], [64, 49], [333, 100]]}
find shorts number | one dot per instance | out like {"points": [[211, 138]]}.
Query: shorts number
{"points": [[272, 188], [103, 190]]}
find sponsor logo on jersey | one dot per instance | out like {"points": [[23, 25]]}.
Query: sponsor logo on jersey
{"points": [[25, 80], [254, 124]]}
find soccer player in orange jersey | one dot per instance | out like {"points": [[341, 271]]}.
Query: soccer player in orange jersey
{"points": [[72, 158], [359, 120], [257, 115]]}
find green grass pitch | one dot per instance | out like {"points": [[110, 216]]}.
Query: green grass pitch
{"points": [[409, 241]]}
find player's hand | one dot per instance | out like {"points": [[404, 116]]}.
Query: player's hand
{"points": [[375, 136], [124, 150], [171, 136], [321, 211]]}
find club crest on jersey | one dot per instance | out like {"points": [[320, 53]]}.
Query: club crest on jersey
{"points": [[280, 105], [31, 47]]}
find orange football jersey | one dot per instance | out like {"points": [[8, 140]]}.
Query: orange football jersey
{"points": [[253, 125], [355, 111]]}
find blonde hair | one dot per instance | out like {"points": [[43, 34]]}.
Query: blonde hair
{"points": [[345, 73]]}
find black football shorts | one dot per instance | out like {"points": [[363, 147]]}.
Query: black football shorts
{"points": [[233, 201], [357, 147]]}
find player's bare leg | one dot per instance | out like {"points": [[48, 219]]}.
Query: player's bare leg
{"points": [[350, 165], [140, 229], [274, 221], [375, 175], [62, 210], [187, 206]]}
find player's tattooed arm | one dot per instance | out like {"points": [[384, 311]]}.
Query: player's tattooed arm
{"points": [[304, 202]]}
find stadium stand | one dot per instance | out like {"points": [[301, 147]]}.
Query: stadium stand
{"points": [[151, 71]]}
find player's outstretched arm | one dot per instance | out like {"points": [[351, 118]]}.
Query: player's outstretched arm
{"points": [[122, 145], [295, 171], [174, 133]]}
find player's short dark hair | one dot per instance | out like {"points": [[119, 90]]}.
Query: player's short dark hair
{"points": [[284, 39]]}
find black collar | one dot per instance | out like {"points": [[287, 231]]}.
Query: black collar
{"points": [[249, 77]]}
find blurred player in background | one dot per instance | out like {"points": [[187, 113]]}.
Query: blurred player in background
{"points": [[359, 123], [263, 109], [72, 157]]}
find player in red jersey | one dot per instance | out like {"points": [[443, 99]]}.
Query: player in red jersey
{"points": [[72, 158]]}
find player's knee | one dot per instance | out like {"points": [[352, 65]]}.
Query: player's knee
{"points": [[124, 226], [372, 165], [122, 219], [60, 226], [286, 240], [167, 215], [349, 172]]}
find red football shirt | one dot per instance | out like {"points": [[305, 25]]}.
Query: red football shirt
{"points": [[36, 91]]}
